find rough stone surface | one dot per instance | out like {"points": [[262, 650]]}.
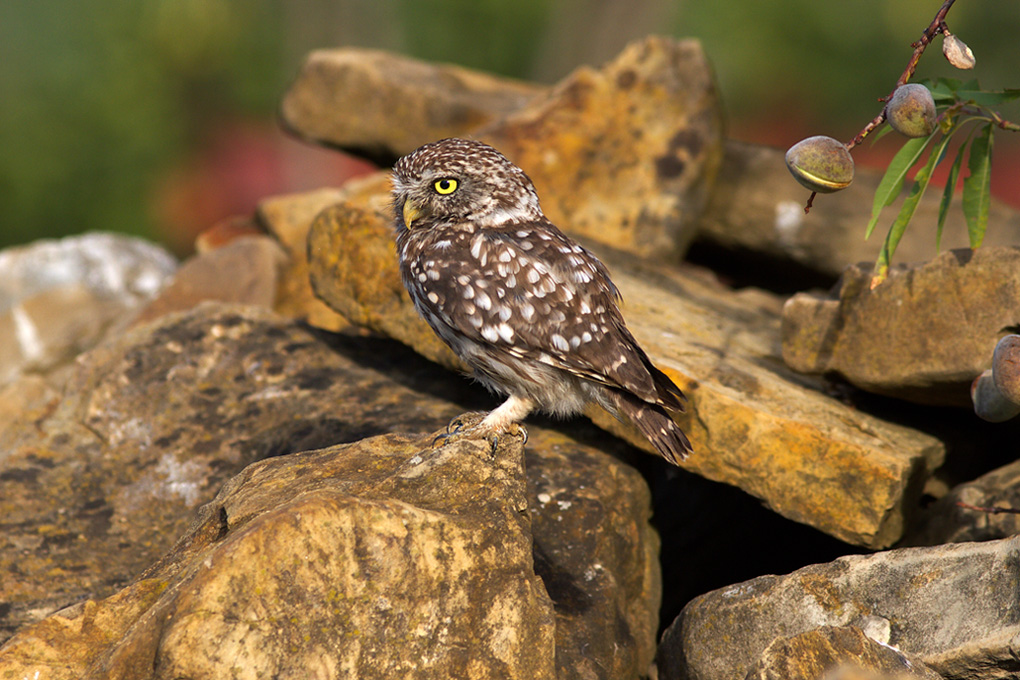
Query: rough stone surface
{"points": [[289, 218], [385, 105], [924, 334], [362, 559], [946, 521], [836, 653], [953, 606], [753, 423], [626, 154], [757, 207], [244, 271], [153, 423], [58, 298]]}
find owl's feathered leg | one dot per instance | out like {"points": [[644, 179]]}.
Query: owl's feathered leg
{"points": [[513, 410]]}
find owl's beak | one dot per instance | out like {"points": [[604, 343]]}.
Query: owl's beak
{"points": [[411, 212]]}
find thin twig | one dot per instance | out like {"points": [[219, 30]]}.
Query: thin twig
{"points": [[988, 511], [938, 25]]}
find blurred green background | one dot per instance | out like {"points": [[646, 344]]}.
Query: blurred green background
{"points": [[157, 117]]}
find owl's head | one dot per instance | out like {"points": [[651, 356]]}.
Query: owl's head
{"points": [[460, 180]]}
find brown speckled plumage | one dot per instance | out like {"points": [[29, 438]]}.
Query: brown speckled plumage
{"points": [[533, 313]]}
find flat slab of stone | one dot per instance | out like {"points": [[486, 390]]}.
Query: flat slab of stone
{"points": [[924, 334], [384, 105], [953, 606], [626, 154], [757, 207], [754, 423]]}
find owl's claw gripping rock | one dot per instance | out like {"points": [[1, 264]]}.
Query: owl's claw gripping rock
{"points": [[469, 426], [465, 421]]}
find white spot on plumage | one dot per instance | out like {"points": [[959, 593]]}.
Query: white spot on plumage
{"points": [[433, 274], [505, 332], [463, 280], [490, 333], [533, 276], [483, 300], [575, 342], [586, 337], [469, 292], [433, 297], [527, 311], [559, 342], [422, 277], [585, 309], [506, 255], [476, 246], [505, 313]]}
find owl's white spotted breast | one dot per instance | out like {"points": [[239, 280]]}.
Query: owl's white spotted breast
{"points": [[529, 294]]}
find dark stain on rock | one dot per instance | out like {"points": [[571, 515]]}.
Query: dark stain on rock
{"points": [[568, 598], [625, 79], [21, 475], [315, 380], [685, 144], [668, 167]]}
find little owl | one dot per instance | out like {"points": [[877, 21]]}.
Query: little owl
{"points": [[531, 311]]}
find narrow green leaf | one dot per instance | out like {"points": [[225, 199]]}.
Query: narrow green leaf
{"points": [[989, 97], [977, 186], [942, 86], [950, 190], [882, 132], [892, 181], [899, 225]]}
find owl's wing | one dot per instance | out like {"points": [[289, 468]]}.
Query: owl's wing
{"points": [[529, 291]]}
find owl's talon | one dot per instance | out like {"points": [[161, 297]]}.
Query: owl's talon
{"points": [[464, 421]]}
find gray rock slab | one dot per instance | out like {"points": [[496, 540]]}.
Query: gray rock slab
{"points": [[953, 606]]}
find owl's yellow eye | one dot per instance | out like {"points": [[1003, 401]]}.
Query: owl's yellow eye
{"points": [[445, 186]]}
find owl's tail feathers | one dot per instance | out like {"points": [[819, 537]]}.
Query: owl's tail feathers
{"points": [[656, 425]]}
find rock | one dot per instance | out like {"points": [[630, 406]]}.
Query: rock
{"points": [[385, 105], [625, 155], [836, 653], [366, 558], [946, 521], [58, 298], [244, 271], [223, 232], [289, 218], [754, 207], [153, 423], [754, 424], [923, 335], [757, 210], [952, 606]]}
